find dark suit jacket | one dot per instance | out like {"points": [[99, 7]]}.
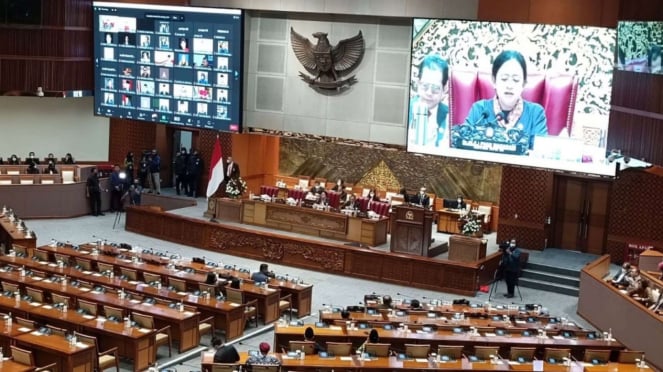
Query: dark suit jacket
{"points": [[418, 199], [234, 170]]}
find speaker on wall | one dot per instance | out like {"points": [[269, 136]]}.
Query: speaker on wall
{"points": [[23, 11]]}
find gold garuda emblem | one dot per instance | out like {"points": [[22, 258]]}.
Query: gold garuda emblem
{"points": [[327, 63]]}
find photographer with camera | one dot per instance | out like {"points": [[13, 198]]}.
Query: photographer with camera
{"points": [[510, 266], [117, 189]]}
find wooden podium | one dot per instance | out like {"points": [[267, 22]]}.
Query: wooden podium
{"points": [[411, 230]]}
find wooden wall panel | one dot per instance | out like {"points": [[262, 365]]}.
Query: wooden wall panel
{"points": [[569, 12], [504, 10], [637, 91], [637, 136], [130, 135], [524, 204], [644, 10]]}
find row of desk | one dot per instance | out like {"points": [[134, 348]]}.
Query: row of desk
{"points": [[353, 363], [399, 337], [46, 349], [193, 273], [10, 235]]}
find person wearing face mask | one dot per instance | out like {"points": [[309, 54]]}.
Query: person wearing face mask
{"points": [[421, 198], [13, 160], [51, 168], [511, 267], [194, 171], [31, 159], [507, 117], [620, 279], [232, 169], [339, 186]]}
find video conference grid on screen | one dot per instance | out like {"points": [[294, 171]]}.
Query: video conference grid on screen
{"points": [[525, 94], [167, 64]]}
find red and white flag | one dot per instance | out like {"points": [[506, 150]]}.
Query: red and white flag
{"points": [[216, 173]]}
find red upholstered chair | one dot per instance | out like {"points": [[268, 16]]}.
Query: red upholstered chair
{"points": [[380, 208], [363, 203], [296, 194], [272, 191], [263, 190], [556, 93], [334, 199]]}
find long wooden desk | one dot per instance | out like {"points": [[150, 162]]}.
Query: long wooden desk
{"points": [[184, 325], [268, 298], [606, 308], [56, 349], [352, 363], [336, 258], [398, 338], [9, 235], [227, 316], [332, 225]]}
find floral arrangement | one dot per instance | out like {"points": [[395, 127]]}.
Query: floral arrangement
{"points": [[235, 187], [470, 224]]}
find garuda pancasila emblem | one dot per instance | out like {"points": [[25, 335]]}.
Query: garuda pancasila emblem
{"points": [[325, 62]]}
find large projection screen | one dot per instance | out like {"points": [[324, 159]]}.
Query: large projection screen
{"points": [[525, 94]]}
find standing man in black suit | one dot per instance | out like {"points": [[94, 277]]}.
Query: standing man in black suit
{"points": [[511, 266], [232, 169], [93, 192], [421, 199]]}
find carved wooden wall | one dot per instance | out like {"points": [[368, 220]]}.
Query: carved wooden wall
{"points": [[524, 205]]}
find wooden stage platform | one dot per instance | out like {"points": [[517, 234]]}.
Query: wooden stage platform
{"points": [[335, 258]]}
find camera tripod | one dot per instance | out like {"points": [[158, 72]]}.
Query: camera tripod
{"points": [[497, 277], [118, 213]]}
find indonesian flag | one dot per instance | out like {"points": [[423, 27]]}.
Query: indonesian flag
{"points": [[215, 169]]}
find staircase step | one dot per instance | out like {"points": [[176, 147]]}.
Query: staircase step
{"points": [[553, 269], [549, 287], [545, 276]]}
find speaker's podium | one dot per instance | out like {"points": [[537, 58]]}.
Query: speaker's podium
{"points": [[411, 229]]}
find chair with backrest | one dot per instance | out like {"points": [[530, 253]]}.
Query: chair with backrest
{"points": [[554, 355], [162, 336], [62, 258], [206, 326], [250, 308], [485, 352], [378, 350], [26, 323], [60, 299], [36, 295], [285, 304], [629, 356], [22, 356], [452, 352], [83, 264], [130, 274], [555, 92], [339, 348], [113, 313], [209, 288], [88, 307], [417, 350], [334, 199], [56, 330], [178, 285], [307, 346], [522, 354], [151, 278], [105, 268], [486, 210], [41, 255], [11, 287], [106, 359], [20, 250], [596, 356]]}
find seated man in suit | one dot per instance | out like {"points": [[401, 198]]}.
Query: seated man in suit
{"points": [[421, 199], [32, 169], [51, 168], [224, 353], [263, 275], [635, 285], [31, 158], [619, 280], [350, 202], [318, 188]]}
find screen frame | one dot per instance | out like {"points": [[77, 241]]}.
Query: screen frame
{"points": [[602, 167], [232, 126]]}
